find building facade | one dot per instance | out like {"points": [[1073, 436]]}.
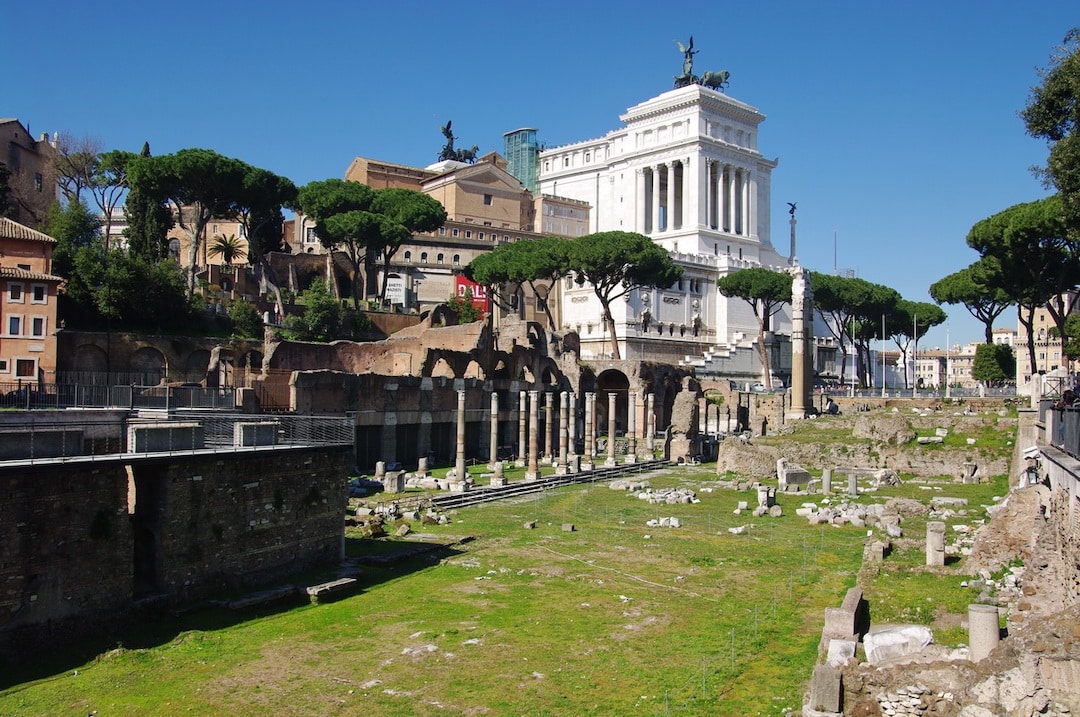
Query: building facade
{"points": [[32, 180], [685, 170], [28, 292]]}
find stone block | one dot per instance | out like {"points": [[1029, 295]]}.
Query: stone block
{"points": [[333, 590], [165, 437], [261, 433], [826, 690]]}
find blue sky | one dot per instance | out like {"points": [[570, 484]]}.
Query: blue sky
{"points": [[895, 124]]}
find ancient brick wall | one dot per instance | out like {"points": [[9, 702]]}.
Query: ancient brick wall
{"points": [[83, 540]]}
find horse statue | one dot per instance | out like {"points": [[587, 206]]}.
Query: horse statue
{"points": [[715, 80], [467, 155]]}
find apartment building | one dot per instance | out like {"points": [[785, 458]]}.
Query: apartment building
{"points": [[28, 292]]}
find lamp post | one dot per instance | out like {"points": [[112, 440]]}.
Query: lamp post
{"points": [[948, 363]]}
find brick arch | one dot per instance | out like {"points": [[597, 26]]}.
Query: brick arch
{"points": [[150, 364]]}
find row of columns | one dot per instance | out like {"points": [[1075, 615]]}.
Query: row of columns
{"points": [[720, 196], [529, 406]]}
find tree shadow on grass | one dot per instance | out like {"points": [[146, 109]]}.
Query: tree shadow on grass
{"points": [[55, 650]]}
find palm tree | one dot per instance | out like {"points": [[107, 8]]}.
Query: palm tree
{"points": [[229, 247]]}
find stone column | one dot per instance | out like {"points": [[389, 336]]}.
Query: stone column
{"points": [[522, 446], [669, 203], [732, 182], [641, 213], [983, 631], [751, 205], [549, 422], [692, 185], [656, 200], [631, 427], [590, 436], [388, 441], [610, 429], [571, 421], [935, 544], [650, 425], [532, 472], [801, 328], [826, 481], [564, 434], [853, 485], [493, 456], [459, 462]]}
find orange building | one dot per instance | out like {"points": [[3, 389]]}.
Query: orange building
{"points": [[28, 293]]}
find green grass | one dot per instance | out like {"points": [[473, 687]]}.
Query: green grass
{"points": [[615, 618]]}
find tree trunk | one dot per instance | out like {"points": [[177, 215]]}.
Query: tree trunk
{"points": [[763, 352], [1029, 324], [610, 321]]}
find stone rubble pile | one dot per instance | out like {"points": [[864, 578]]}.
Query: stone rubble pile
{"points": [[668, 496]]}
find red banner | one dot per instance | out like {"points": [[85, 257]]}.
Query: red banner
{"points": [[480, 298]]}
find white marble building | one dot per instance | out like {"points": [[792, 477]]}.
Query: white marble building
{"points": [[685, 170]]}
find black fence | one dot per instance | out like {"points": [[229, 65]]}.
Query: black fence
{"points": [[44, 396]]}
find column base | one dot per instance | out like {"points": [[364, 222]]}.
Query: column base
{"points": [[561, 470], [610, 463], [630, 458], [531, 477]]}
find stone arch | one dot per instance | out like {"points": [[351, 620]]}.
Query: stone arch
{"points": [[251, 361], [196, 366], [473, 370], [612, 381], [442, 369], [90, 358], [148, 366]]}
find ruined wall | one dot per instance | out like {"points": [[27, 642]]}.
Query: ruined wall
{"points": [[82, 542]]}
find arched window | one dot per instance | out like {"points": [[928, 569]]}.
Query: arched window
{"points": [[423, 257], [408, 257], [439, 259]]}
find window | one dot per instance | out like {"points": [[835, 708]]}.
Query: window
{"points": [[14, 325], [240, 231], [442, 231], [439, 259], [408, 257], [468, 234], [38, 293], [487, 200], [39, 183], [457, 259], [423, 257], [24, 368], [215, 229], [4, 366], [15, 293], [480, 236], [38, 326], [454, 232], [309, 236]]}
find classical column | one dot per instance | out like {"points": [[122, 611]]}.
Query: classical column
{"points": [[549, 421], [564, 432], [801, 322], [631, 427], [459, 462], [641, 213], [692, 185], [669, 198], [590, 437], [650, 427], [732, 198], [532, 472], [494, 450], [610, 429], [571, 420], [522, 446], [983, 631], [749, 226], [656, 199]]}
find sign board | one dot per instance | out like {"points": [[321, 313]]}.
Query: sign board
{"points": [[395, 289], [480, 298]]}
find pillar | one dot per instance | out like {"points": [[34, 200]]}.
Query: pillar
{"points": [[493, 455], [610, 429], [641, 213], [521, 430], [669, 198], [571, 419], [650, 426], [730, 199], [983, 631], [532, 471], [655, 200], [564, 432], [549, 421], [459, 462], [801, 361], [590, 434], [826, 481], [631, 427], [853, 485], [935, 543]]}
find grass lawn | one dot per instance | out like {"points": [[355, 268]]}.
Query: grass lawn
{"points": [[614, 618]]}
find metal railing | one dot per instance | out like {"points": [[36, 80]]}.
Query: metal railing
{"points": [[52, 436], [45, 396]]}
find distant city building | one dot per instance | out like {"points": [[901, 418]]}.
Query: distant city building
{"points": [[685, 170], [33, 179], [28, 291], [1047, 343]]}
